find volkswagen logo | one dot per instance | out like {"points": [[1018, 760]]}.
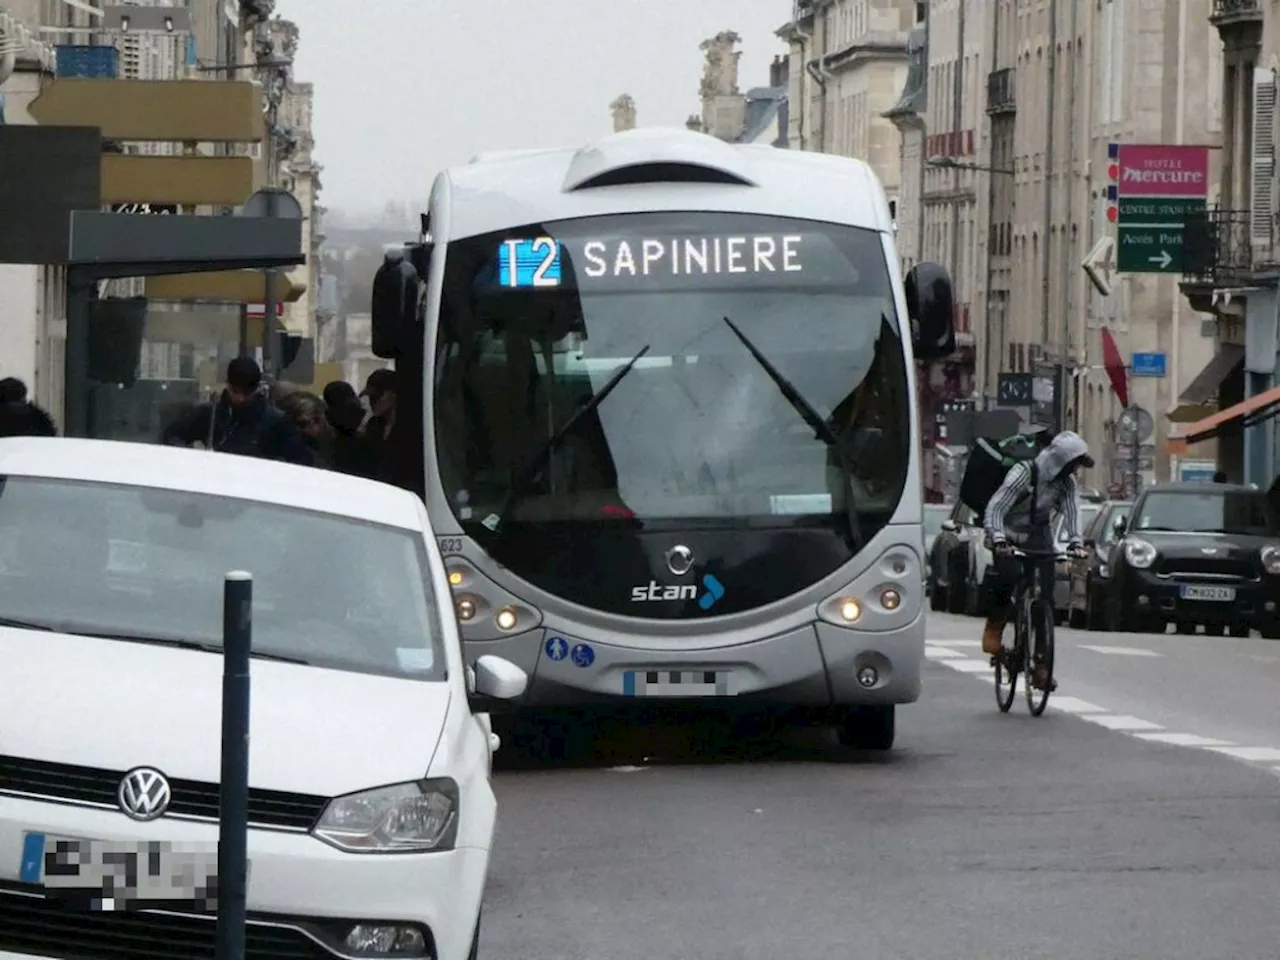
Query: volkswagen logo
{"points": [[679, 560], [144, 794]]}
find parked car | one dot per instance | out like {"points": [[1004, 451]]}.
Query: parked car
{"points": [[1062, 570], [1087, 576], [950, 559], [1197, 554], [371, 814]]}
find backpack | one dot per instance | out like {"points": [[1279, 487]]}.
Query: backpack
{"points": [[990, 460]]}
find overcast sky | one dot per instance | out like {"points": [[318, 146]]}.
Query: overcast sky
{"points": [[405, 87]]}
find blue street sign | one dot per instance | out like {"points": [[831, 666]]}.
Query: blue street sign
{"points": [[1149, 365]]}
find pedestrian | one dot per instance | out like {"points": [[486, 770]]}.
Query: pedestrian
{"points": [[241, 421], [306, 412], [346, 416], [379, 429], [19, 417]]}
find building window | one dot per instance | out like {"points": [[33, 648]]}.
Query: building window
{"points": [[922, 10]]}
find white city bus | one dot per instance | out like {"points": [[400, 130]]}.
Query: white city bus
{"points": [[671, 444]]}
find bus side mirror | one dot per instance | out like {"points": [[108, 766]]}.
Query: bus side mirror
{"points": [[931, 310], [397, 294]]}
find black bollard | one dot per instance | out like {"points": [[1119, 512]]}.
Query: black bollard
{"points": [[233, 795]]}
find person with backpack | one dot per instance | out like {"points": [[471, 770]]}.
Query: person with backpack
{"points": [[1021, 510]]}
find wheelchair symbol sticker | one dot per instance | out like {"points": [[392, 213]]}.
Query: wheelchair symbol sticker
{"points": [[583, 655]]}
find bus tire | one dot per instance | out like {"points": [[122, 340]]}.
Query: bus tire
{"points": [[868, 728]]}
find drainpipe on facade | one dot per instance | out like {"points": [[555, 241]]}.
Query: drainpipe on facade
{"points": [[1068, 274], [1046, 259], [957, 120], [820, 116], [987, 390]]}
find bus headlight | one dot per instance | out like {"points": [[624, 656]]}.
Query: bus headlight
{"points": [[890, 599], [455, 578], [850, 610], [466, 609], [506, 619]]}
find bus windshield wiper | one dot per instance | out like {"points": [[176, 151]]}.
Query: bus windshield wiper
{"points": [[181, 643], [821, 429], [531, 469]]}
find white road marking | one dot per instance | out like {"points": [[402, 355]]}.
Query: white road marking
{"points": [[967, 666], [955, 643], [627, 769], [1121, 651], [941, 653], [1183, 739], [1120, 721], [1250, 754], [1074, 705]]}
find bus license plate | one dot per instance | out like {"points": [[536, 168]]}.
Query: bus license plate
{"points": [[122, 876], [677, 683], [1216, 594]]}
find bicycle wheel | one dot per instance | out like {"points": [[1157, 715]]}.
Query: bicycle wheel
{"points": [[1007, 663], [1040, 637]]}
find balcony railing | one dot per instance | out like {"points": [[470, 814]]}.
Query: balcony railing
{"points": [[1223, 248], [1235, 11], [1000, 92]]}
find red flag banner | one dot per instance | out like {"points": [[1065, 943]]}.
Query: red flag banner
{"points": [[1114, 364]]}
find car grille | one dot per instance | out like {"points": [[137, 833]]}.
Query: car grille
{"points": [[191, 798], [1213, 567], [29, 923]]}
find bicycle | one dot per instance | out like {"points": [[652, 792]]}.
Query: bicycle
{"points": [[1033, 609]]}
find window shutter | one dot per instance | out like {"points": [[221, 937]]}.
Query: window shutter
{"points": [[1262, 165]]}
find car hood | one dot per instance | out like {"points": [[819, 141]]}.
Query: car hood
{"points": [[1179, 544], [117, 705]]}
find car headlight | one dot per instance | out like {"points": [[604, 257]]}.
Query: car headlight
{"points": [[1138, 553], [1271, 559], [403, 818]]}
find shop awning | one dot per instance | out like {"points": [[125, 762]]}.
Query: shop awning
{"points": [[1254, 410], [1193, 402]]}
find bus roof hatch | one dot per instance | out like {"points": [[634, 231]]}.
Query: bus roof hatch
{"points": [[656, 155]]}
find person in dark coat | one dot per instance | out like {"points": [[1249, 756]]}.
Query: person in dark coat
{"points": [[242, 421], [346, 416], [18, 416], [307, 413], [379, 429]]}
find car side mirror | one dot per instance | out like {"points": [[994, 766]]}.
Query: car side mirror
{"points": [[493, 682], [398, 289], [931, 311], [950, 526], [1119, 527]]}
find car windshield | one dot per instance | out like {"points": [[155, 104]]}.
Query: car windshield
{"points": [[149, 564], [1244, 512], [1087, 512], [535, 321]]}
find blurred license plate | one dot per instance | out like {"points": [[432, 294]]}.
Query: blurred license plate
{"points": [[103, 875], [1221, 594], [677, 683]]}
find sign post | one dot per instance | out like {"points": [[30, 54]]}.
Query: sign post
{"points": [[1157, 186]]}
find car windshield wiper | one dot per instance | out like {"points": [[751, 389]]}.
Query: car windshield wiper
{"points": [[822, 431], [531, 469], [25, 624]]}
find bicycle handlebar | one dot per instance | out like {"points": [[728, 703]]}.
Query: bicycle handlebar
{"points": [[1041, 554]]}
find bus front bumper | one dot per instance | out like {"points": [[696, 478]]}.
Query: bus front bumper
{"points": [[819, 665]]}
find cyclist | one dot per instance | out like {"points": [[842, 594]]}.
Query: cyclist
{"points": [[1021, 512]]}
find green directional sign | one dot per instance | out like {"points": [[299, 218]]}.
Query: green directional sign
{"points": [[1158, 211], [1143, 249]]}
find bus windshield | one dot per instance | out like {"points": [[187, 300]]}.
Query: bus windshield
{"points": [[535, 322]]}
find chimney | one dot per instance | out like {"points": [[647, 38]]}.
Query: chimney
{"points": [[624, 113], [779, 71]]}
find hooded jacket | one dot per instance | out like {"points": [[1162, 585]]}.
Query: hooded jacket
{"points": [[1009, 511], [255, 429]]}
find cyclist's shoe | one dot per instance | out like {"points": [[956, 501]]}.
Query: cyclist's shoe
{"points": [[991, 637], [1041, 680]]}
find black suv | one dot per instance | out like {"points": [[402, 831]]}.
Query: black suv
{"points": [[1197, 554]]}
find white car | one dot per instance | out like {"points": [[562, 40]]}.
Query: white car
{"points": [[371, 812]]}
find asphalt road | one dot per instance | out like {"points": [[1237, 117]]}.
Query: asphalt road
{"points": [[1075, 836]]}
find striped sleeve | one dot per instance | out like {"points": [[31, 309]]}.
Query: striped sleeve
{"points": [[1070, 508], [1016, 483]]}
